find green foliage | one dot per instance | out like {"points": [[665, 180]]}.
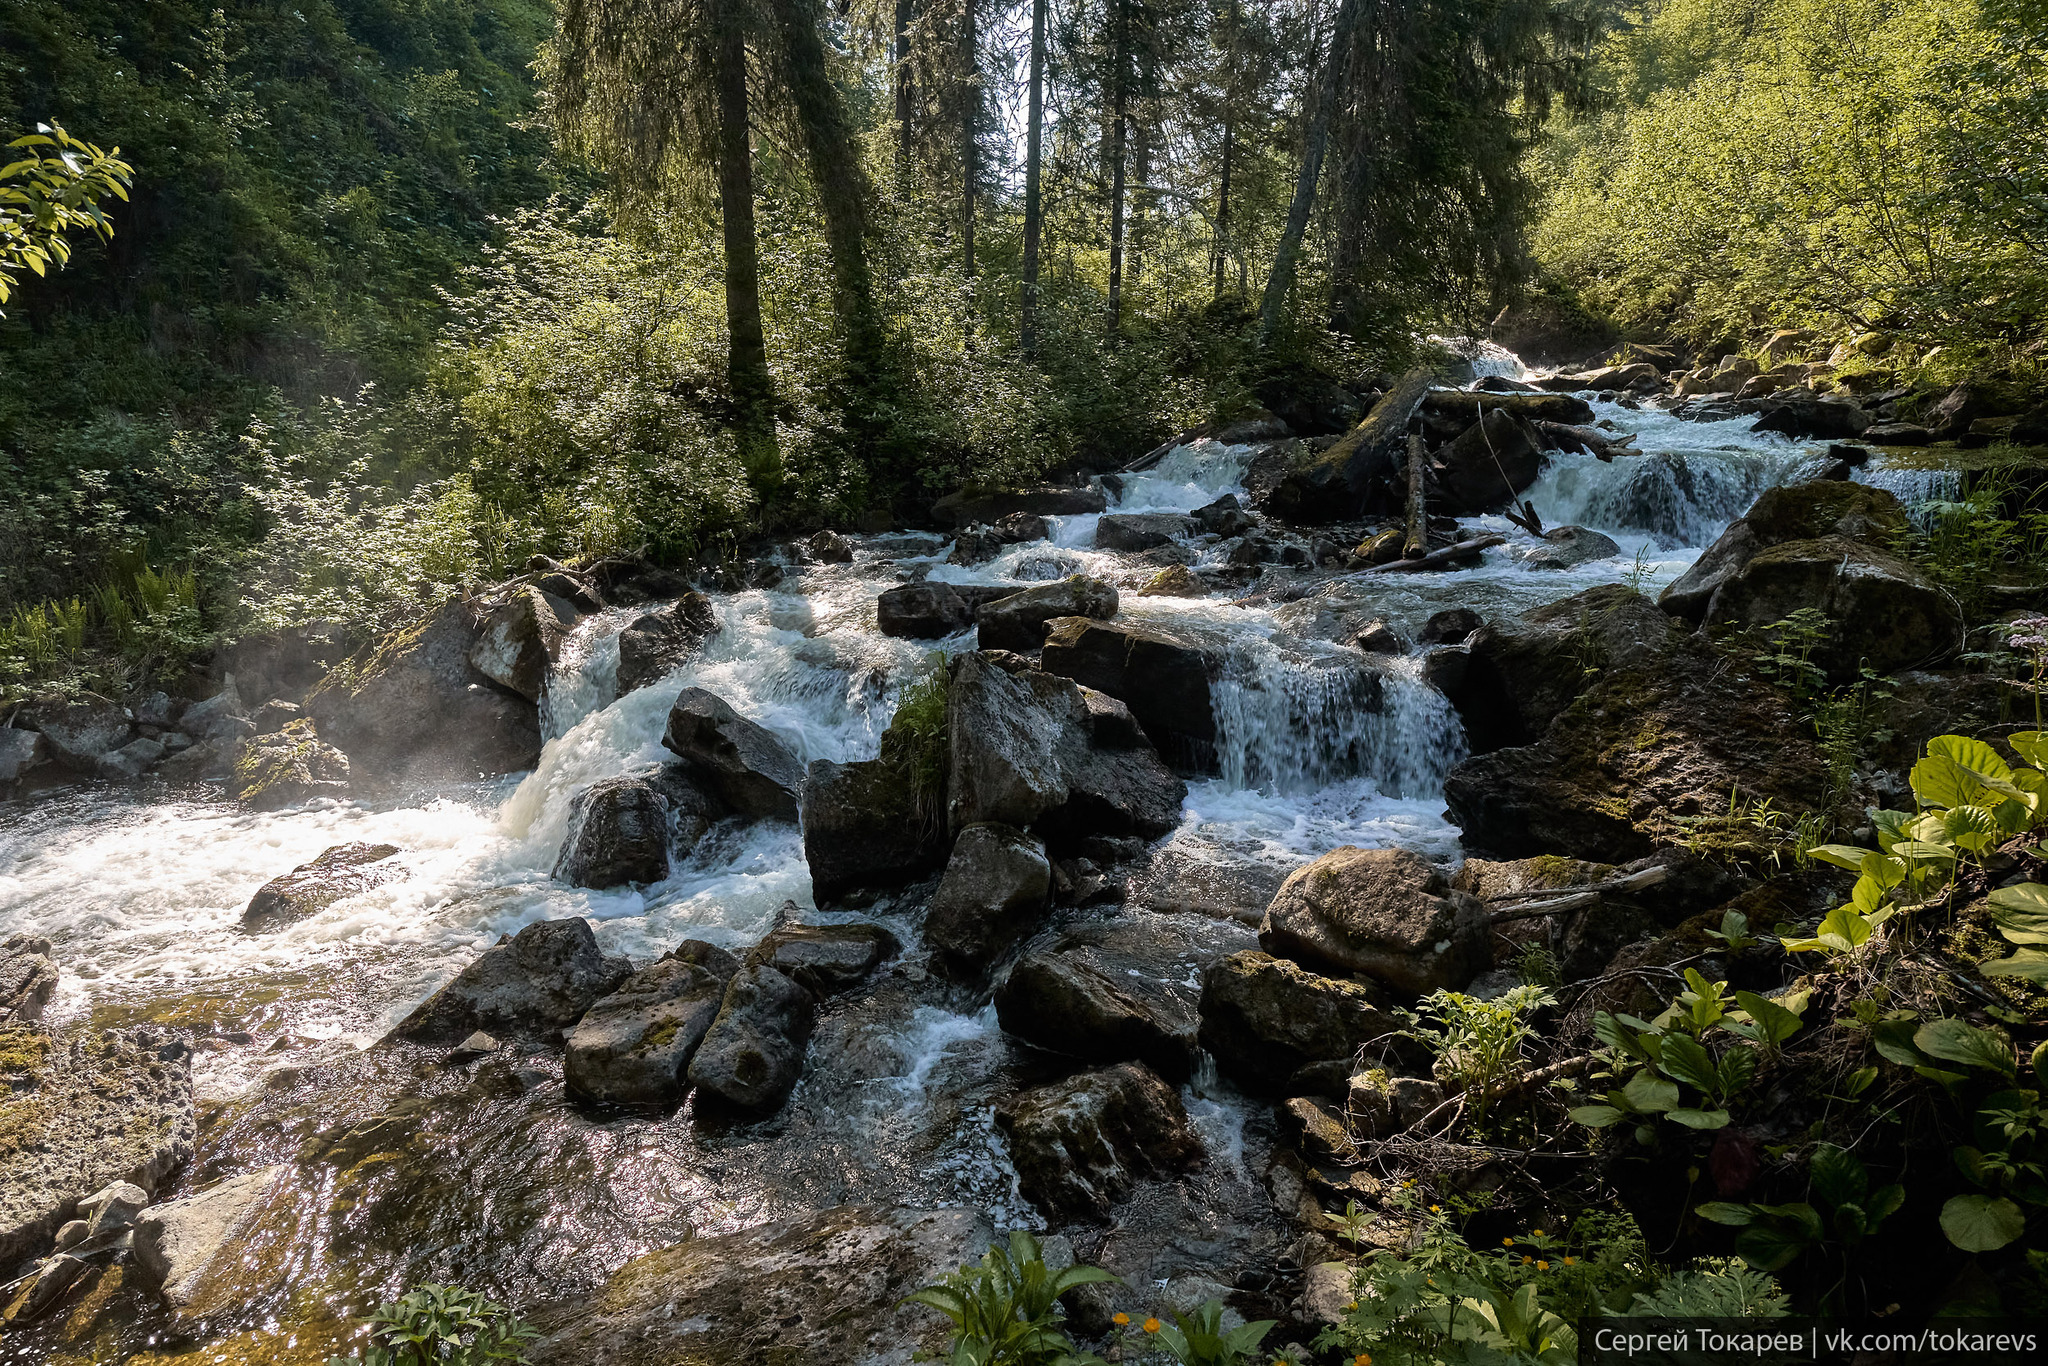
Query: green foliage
{"points": [[442, 1325], [1812, 163], [1846, 1210], [1199, 1339], [1659, 1057], [1444, 1302], [1729, 1291], [1478, 1043], [56, 189], [1005, 1308]]}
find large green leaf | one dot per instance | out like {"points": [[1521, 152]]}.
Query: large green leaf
{"points": [[1893, 1040], [1724, 1212], [1955, 1041], [1838, 1176], [1973, 828], [1842, 855], [1942, 782], [1650, 1094], [1700, 1119], [1981, 1223], [2031, 745], [2029, 965], [2022, 912], [1685, 1060], [1771, 1244], [1976, 756], [1596, 1116], [1773, 1023]]}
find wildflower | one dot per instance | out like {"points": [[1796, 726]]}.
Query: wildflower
{"points": [[1527, 1260], [1507, 1242], [1536, 1233], [1436, 1209], [1151, 1325], [1571, 1261], [1362, 1359], [1120, 1318], [1351, 1306], [1542, 1266]]}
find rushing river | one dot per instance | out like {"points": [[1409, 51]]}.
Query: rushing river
{"points": [[143, 892]]}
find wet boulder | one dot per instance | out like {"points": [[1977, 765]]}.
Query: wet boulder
{"points": [[830, 1286], [1018, 622], [80, 1113], [996, 890], [825, 959], [753, 1054], [621, 829], [1639, 753], [965, 508], [183, 1244], [863, 827], [79, 731], [220, 719], [1083, 1144], [736, 760], [1568, 547], [1882, 612], [1194, 879], [1134, 531], [1450, 626], [1009, 734], [628, 580], [287, 767], [1091, 996], [20, 751], [1225, 517], [341, 871], [1519, 674], [534, 982], [519, 639], [1161, 675], [1460, 408], [28, 978], [1486, 466], [1388, 913], [1115, 786], [1266, 1018], [1790, 512], [931, 610], [634, 1046], [1174, 581], [416, 709], [655, 644], [1019, 527], [1802, 415], [134, 759]]}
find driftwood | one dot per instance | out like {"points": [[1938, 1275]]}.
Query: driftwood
{"points": [[1577, 898], [1417, 544], [1160, 452], [1565, 436], [1463, 550]]}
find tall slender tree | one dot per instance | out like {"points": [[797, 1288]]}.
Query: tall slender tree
{"points": [[1034, 208], [1119, 124], [1323, 94]]}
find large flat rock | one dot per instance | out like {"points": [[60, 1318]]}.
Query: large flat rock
{"points": [[829, 1287], [80, 1113]]}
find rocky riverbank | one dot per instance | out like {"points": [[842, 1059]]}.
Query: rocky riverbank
{"points": [[802, 992]]}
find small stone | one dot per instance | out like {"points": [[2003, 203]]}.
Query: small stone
{"points": [[72, 1234], [477, 1045]]}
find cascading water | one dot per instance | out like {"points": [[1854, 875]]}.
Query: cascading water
{"points": [[1317, 747]]}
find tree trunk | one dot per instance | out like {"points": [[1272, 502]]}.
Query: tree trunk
{"points": [[843, 188], [1222, 243], [1144, 126], [1323, 98], [906, 90], [970, 109], [747, 357], [1033, 209], [1119, 116]]}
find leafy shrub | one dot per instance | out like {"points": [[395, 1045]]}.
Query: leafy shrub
{"points": [[1728, 1291], [442, 1325], [1478, 1043], [1005, 1308], [1199, 1339]]}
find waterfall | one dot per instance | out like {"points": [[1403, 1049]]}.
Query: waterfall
{"points": [[1292, 722]]}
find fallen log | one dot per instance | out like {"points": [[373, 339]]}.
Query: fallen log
{"points": [[1160, 452], [1463, 550], [1576, 899], [1567, 437]]}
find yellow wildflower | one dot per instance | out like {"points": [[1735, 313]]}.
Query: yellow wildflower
{"points": [[1119, 1318], [1151, 1325]]}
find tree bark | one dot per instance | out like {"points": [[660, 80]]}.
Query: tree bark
{"points": [[906, 89], [1033, 207], [1221, 247], [1323, 96], [842, 183], [753, 390], [970, 109], [1417, 543], [1340, 482], [1119, 115]]}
